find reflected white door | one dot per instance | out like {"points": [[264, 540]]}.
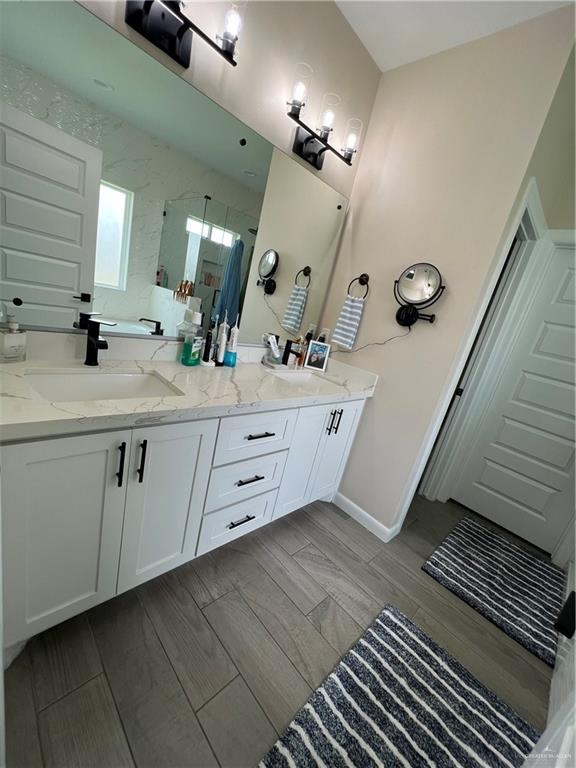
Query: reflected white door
{"points": [[49, 185], [520, 472]]}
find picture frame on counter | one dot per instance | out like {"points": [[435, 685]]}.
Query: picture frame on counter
{"points": [[317, 356]]}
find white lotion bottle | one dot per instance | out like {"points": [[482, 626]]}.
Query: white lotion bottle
{"points": [[222, 340]]}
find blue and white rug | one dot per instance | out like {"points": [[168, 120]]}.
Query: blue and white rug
{"points": [[398, 699], [507, 584]]}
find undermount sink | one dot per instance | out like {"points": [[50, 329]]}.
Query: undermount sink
{"points": [[296, 377], [64, 386]]}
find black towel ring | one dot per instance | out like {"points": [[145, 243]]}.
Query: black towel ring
{"points": [[362, 280], [307, 271]]}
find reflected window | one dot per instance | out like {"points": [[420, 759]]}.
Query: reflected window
{"points": [[211, 232], [113, 238]]}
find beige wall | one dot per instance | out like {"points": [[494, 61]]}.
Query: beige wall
{"points": [[553, 160], [300, 219], [275, 36], [449, 143]]}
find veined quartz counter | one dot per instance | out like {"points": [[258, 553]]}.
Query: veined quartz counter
{"points": [[207, 393]]}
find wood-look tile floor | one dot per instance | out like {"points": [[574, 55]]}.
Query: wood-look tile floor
{"points": [[206, 665]]}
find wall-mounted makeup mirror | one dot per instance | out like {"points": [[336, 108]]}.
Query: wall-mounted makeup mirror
{"points": [[144, 199], [417, 288], [267, 267]]}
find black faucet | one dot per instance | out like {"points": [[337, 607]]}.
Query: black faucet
{"points": [[93, 340], [158, 330], [288, 351]]}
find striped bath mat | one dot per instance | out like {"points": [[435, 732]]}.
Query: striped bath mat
{"points": [[398, 699], [507, 584], [295, 308]]}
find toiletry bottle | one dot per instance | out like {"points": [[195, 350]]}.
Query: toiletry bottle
{"points": [[192, 341], [12, 343], [222, 340], [231, 347]]}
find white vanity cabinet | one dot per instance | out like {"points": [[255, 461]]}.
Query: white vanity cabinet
{"points": [[318, 453], [166, 479], [62, 513]]}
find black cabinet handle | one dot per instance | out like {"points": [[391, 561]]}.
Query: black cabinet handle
{"points": [[254, 479], [340, 412], [246, 519], [120, 473], [329, 427], [259, 437], [140, 470]]}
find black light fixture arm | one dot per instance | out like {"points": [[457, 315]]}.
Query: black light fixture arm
{"points": [[174, 6], [315, 136]]}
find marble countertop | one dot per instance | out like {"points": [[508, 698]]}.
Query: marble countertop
{"points": [[207, 393]]}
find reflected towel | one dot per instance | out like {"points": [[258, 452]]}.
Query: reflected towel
{"points": [[295, 308], [348, 322], [229, 298]]}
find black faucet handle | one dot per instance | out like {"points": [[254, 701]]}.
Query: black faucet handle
{"points": [[158, 330], [84, 318]]}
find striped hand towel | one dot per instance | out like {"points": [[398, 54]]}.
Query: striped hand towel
{"points": [[295, 308], [348, 322]]}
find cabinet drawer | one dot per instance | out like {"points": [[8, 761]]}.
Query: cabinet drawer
{"points": [[236, 482], [242, 437], [230, 523]]}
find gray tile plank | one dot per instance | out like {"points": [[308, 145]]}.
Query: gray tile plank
{"points": [[159, 722], [271, 676], [83, 729], [190, 578], [197, 656], [306, 648], [493, 676], [347, 531], [286, 535], [63, 658], [343, 589], [382, 590], [335, 625], [303, 590], [22, 739], [217, 582], [236, 726]]}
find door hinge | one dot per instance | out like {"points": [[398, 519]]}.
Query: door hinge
{"points": [[459, 392]]}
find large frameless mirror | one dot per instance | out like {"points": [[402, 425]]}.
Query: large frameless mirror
{"points": [[142, 196]]}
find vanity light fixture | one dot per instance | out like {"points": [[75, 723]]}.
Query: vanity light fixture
{"points": [[311, 145], [164, 24]]}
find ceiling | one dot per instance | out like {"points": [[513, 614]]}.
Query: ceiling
{"points": [[66, 43], [396, 33]]}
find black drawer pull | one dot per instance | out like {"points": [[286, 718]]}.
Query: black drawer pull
{"points": [[340, 412], [329, 427], [254, 479], [259, 437], [246, 519], [120, 473], [140, 470]]}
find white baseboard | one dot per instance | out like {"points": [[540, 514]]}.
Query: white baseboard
{"points": [[362, 517]]}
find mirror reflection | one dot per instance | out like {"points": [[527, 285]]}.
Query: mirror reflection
{"points": [[169, 207], [419, 283]]}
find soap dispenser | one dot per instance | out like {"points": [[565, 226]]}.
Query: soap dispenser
{"points": [[12, 343]]}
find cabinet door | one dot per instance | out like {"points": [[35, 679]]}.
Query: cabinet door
{"points": [[169, 472], [310, 427], [62, 512], [334, 448]]}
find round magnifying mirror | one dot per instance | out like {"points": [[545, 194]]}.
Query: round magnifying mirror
{"points": [[419, 284], [268, 264]]}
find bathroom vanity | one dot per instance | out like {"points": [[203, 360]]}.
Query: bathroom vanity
{"points": [[100, 495]]}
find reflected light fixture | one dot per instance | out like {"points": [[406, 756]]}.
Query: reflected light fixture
{"points": [[309, 144], [164, 24]]}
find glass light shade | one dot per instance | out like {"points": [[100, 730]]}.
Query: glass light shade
{"points": [[328, 110], [302, 78], [352, 136], [232, 23]]}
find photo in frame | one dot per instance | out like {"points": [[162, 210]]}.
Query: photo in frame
{"points": [[317, 356]]}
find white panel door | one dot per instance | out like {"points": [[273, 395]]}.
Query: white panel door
{"points": [[49, 187], [520, 472], [340, 426], [62, 511], [168, 477]]}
